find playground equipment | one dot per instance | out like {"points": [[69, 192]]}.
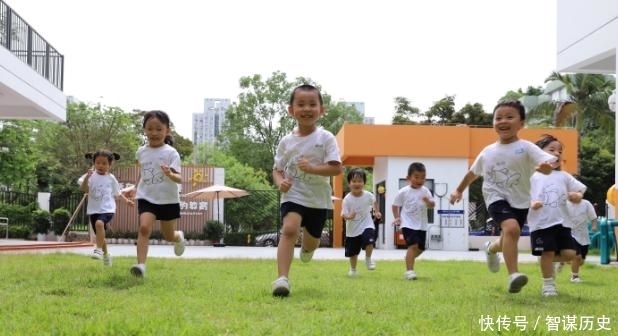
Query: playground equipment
{"points": [[606, 238]]}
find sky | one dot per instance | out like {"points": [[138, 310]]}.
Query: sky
{"points": [[171, 55]]}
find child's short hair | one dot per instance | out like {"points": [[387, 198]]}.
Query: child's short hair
{"points": [[516, 104], [357, 172], [416, 167], [306, 87]]}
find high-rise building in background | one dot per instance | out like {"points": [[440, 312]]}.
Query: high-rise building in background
{"points": [[360, 107], [208, 124]]}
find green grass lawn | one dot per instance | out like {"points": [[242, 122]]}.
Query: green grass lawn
{"points": [[66, 294]]}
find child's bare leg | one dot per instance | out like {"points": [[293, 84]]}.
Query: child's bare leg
{"points": [[146, 221], [285, 249], [564, 256], [100, 236], [353, 262], [509, 239], [368, 251], [411, 255], [309, 243], [547, 264], [168, 231]]}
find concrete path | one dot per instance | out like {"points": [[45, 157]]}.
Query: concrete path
{"points": [[250, 252]]}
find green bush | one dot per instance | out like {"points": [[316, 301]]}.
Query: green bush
{"points": [[19, 231], [41, 221], [17, 214], [60, 218], [213, 230]]}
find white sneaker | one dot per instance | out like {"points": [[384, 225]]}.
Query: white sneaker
{"points": [[352, 273], [305, 256], [97, 254], [493, 260], [370, 264], [281, 287], [517, 281], [138, 270], [410, 275], [107, 259], [576, 279], [179, 246], [549, 290]]}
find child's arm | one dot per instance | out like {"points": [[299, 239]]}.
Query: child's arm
{"points": [[465, 182], [429, 202], [84, 186], [281, 182], [331, 168], [593, 224], [397, 219], [376, 211]]}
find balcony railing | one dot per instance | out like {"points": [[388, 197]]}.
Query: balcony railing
{"points": [[23, 41]]}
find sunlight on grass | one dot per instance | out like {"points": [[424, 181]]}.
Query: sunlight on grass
{"points": [[66, 294]]}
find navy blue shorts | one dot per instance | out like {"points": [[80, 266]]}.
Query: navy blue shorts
{"points": [[103, 217], [502, 210], [353, 245], [312, 219], [164, 212], [554, 238], [581, 250], [414, 237]]}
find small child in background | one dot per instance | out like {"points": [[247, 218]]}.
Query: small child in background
{"points": [[550, 238], [579, 214], [357, 208], [103, 189], [410, 211]]}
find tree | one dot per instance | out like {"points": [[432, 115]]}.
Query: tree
{"points": [[597, 169], [87, 128], [18, 157], [441, 112], [257, 211], [587, 101], [404, 112], [255, 125]]}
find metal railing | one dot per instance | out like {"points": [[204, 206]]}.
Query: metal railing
{"points": [[23, 41]]}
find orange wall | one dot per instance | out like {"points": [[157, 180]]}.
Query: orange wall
{"points": [[359, 144]]}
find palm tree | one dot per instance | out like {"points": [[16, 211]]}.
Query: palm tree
{"points": [[586, 104]]}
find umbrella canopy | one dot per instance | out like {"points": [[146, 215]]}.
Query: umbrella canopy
{"points": [[216, 192]]}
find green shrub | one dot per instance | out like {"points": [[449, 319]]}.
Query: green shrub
{"points": [[213, 230], [60, 218], [19, 231], [41, 221]]}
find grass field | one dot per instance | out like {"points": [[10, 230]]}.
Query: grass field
{"points": [[67, 294]]}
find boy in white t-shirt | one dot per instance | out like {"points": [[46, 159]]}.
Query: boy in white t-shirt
{"points": [[304, 162], [579, 214], [357, 208], [410, 211], [506, 166]]}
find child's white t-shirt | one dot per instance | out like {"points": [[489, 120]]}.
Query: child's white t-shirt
{"points": [[578, 216], [413, 213], [309, 190], [154, 186], [361, 206], [506, 170], [102, 193], [553, 191]]}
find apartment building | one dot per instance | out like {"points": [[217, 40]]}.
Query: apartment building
{"points": [[208, 124]]}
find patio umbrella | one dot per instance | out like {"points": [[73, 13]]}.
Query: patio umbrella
{"points": [[217, 192]]}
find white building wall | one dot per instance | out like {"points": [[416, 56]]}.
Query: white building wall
{"points": [[442, 170], [49, 101], [587, 32]]}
